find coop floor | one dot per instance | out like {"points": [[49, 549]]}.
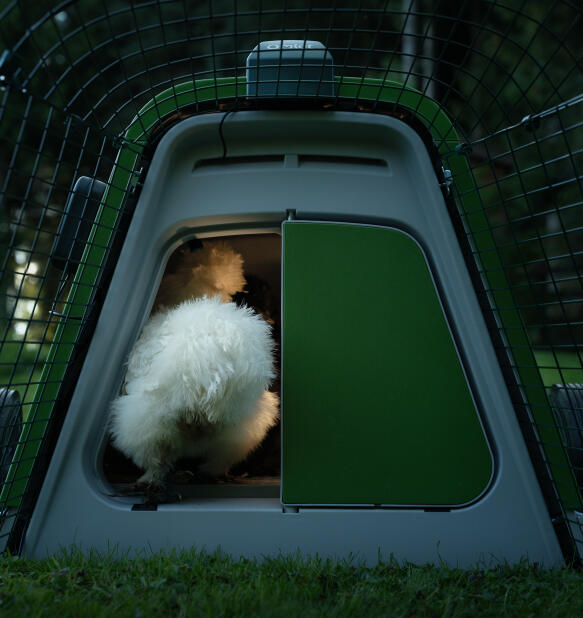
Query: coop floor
{"points": [[256, 487], [252, 478]]}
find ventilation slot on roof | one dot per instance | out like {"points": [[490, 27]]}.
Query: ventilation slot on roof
{"points": [[269, 160], [339, 160]]}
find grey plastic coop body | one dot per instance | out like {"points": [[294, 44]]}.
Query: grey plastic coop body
{"points": [[398, 433]]}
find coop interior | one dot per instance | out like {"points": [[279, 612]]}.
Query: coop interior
{"points": [[259, 474]]}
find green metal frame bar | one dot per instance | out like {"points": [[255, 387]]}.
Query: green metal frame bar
{"points": [[368, 91]]}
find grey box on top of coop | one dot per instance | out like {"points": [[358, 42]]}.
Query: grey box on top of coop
{"points": [[219, 444]]}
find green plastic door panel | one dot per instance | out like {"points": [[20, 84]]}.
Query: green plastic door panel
{"points": [[376, 405]]}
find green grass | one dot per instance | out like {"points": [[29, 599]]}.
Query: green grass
{"points": [[21, 366], [190, 583], [19, 361], [559, 367]]}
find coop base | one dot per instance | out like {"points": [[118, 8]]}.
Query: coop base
{"points": [[252, 487], [258, 528]]}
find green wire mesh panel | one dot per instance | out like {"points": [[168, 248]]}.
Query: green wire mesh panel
{"points": [[75, 75], [520, 205]]}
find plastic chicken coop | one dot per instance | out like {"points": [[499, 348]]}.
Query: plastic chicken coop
{"points": [[403, 182]]}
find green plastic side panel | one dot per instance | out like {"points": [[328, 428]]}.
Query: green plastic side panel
{"points": [[376, 407]]}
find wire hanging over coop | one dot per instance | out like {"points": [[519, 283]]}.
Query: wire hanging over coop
{"points": [[90, 87]]}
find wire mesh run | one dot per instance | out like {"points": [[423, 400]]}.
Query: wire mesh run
{"points": [[525, 237], [87, 88]]}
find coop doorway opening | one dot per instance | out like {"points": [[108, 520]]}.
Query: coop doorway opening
{"points": [[257, 473]]}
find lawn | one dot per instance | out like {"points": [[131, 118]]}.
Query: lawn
{"points": [[189, 583], [559, 367], [21, 366]]}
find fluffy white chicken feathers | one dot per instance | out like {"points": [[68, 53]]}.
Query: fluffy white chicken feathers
{"points": [[197, 378]]}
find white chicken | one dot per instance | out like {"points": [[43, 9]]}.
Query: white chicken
{"points": [[197, 377]]}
